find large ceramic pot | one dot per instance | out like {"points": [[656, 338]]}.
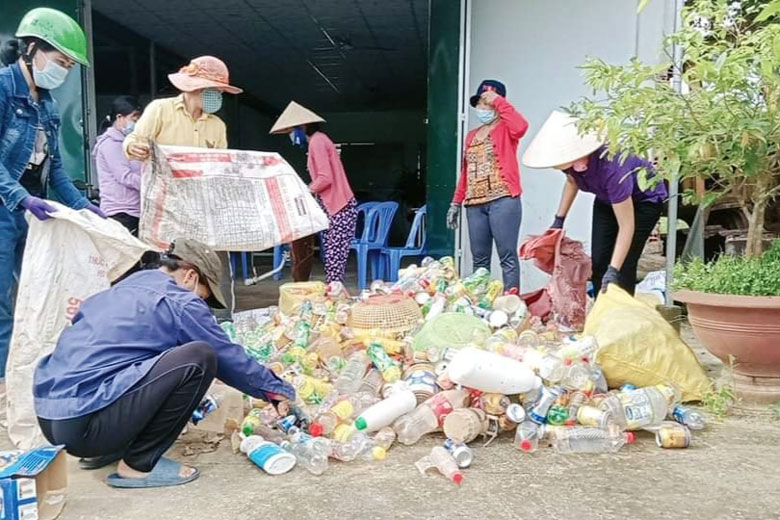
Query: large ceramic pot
{"points": [[745, 327]]}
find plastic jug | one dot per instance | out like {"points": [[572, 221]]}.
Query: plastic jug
{"points": [[490, 372]]}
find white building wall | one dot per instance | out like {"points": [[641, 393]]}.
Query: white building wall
{"points": [[535, 47]]}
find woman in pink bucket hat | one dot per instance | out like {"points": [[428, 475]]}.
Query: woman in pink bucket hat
{"points": [[187, 119]]}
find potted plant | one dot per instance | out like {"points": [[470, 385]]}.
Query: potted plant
{"points": [[712, 114]]}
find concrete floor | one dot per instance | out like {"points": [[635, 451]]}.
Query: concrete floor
{"points": [[730, 471]]}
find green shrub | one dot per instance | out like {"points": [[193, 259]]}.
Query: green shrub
{"points": [[759, 276]]}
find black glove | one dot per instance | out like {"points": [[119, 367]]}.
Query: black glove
{"points": [[558, 222], [611, 276], [453, 216]]}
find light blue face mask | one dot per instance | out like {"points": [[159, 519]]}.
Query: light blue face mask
{"points": [[52, 76], [486, 115], [129, 128], [211, 99]]}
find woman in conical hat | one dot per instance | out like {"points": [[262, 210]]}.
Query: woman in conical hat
{"points": [[624, 214], [330, 185]]}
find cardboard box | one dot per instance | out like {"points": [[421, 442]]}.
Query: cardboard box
{"points": [[33, 484]]}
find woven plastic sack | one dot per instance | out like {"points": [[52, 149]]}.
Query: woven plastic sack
{"points": [[451, 330], [67, 259], [638, 346], [293, 294], [389, 314]]}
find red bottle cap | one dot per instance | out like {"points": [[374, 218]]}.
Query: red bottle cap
{"points": [[525, 445], [630, 437], [457, 477], [316, 429]]}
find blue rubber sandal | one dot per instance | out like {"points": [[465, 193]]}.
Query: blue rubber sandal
{"points": [[165, 473]]}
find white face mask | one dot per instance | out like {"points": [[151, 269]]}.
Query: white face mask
{"points": [[52, 76]]}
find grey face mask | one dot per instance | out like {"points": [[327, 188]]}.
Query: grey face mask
{"points": [[211, 99]]}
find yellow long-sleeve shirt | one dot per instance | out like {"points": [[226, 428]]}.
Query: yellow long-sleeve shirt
{"points": [[167, 121]]}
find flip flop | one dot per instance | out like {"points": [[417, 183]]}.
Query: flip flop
{"points": [[165, 473], [90, 463]]}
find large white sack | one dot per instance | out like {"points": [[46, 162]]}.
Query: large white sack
{"points": [[67, 259], [230, 200]]}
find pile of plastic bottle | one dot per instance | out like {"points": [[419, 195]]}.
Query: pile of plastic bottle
{"points": [[358, 395]]}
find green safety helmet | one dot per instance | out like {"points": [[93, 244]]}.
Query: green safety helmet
{"points": [[58, 30]]}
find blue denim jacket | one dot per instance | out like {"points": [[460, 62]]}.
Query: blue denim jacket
{"points": [[19, 119]]}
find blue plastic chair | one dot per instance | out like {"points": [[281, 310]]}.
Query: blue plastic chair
{"points": [[391, 256], [361, 230], [369, 246]]}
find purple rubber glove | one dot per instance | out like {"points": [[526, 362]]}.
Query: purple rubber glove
{"points": [[611, 276], [558, 222], [96, 210], [38, 207]]}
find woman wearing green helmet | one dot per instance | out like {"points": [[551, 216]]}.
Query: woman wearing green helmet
{"points": [[49, 44]]}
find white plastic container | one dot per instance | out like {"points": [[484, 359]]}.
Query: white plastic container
{"points": [[490, 372], [270, 457], [386, 411]]}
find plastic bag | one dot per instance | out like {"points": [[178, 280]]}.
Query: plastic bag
{"points": [[638, 346], [67, 259], [565, 259]]}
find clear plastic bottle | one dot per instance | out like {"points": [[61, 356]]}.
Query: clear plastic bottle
{"points": [[637, 409], [385, 437], [429, 416], [443, 461], [351, 377], [372, 383], [315, 463], [319, 445], [691, 418], [527, 436], [576, 399], [590, 440], [576, 376], [349, 449], [548, 366]]}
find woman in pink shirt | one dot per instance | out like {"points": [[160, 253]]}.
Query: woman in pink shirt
{"points": [[329, 184]]}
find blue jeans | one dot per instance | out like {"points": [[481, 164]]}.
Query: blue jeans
{"points": [[499, 220], [13, 234]]}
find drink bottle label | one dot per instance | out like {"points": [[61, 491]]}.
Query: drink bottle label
{"points": [[264, 452], [590, 416], [673, 435], [440, 406]]}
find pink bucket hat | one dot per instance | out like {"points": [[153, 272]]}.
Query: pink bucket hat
{"points": [[204, 72]]}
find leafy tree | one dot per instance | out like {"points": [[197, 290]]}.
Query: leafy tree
{"points": [[722, 125]]}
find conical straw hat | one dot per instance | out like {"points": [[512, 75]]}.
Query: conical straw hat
{"points": [[294, 115], [559, 142]]}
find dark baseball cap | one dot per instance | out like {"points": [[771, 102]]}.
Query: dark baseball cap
{"points": [[208, 263], [488, 84]]}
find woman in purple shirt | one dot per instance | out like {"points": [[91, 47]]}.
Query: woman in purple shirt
{"points": [[624, 214], [119, 178]]}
